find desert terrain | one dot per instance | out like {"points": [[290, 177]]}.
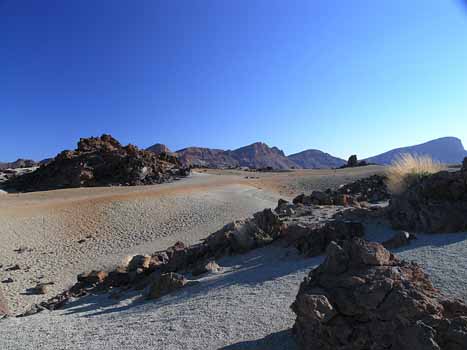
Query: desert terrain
{"points": [[53, 236]]}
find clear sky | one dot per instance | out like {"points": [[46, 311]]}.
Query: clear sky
{"points": [[345, 77]]}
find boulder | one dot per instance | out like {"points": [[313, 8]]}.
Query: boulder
{"points": [[433, 204], [312, 239], [139, 261], [364, 298], [205, 267], [93, 277], [166, 283], [353, 161], [400, 239]]}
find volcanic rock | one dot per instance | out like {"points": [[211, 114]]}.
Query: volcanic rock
{"points": [[205, 267], [93, 277], [99, 161], [434, 203], [166, 283], [363, 298], [400, 239]]}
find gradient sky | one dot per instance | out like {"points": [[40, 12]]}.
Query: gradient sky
{"points": [[341, 76]]}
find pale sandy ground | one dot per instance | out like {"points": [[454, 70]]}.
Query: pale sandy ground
{"points": [[245, 307], [113, 222]]}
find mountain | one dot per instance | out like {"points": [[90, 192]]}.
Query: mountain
{"points": [[316, 159], [447, 150], [206, 157], [159, 148], [19, 163], [259, 155]]}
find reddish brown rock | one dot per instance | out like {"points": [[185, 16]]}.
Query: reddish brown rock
{"points": [[363, 298], [93, 277], [99, 161], [166, 283]]}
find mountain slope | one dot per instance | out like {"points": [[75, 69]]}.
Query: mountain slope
{"points": [[159, 148], [19, 163], [259, 155], [316, 159], [206, 157], [445, 150]]}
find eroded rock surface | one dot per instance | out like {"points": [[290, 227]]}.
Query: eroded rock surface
{"points": [[99, 161], [434, 203], [364, 298]]}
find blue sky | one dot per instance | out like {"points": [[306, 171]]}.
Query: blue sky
{"points": [[346, 77]]}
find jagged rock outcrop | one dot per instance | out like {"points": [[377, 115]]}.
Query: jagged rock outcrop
{"points": [[363, 298], [434, 203], [99, 161], [371, 189]]}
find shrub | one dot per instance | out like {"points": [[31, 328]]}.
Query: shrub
{"points": [[408, 168]]}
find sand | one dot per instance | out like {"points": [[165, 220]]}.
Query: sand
{"points": [[63, 233], [246, 306]]}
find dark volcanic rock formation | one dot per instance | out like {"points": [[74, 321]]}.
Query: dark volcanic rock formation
{"points": [[448, 150], [316, 159], [99, 161], [363, 298], [434, 203], [371, 189]]}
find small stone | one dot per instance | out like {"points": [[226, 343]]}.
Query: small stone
{"points": [[209, 267], [13, 268]]}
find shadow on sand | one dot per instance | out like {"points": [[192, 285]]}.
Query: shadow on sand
{"points": [[252, 268], [280, 340]]}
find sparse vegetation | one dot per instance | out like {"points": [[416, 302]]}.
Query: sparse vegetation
{"points": [[408, 168]]}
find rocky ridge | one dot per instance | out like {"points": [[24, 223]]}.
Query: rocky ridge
{"points": [[100, 161]]}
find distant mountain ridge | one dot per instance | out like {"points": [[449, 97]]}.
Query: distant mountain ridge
{"points": [[448, 150], [316, 159], [259, 155], [19, 163]]}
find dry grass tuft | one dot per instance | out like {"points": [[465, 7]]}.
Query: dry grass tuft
{"points": [[408, 168]]}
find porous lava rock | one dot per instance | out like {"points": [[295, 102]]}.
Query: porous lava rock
{"points": [[434, 204], [99, 161], [372, 189], [364, 298]]}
